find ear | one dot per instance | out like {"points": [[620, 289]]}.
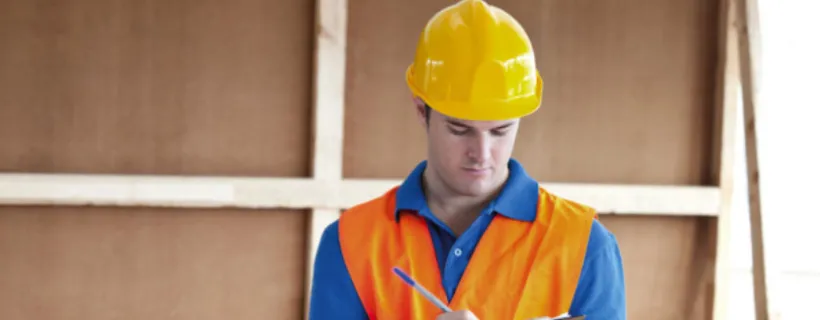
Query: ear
{"points": [[420, 111]]}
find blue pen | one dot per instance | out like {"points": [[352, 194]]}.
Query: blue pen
{"points": [[430, 297]]}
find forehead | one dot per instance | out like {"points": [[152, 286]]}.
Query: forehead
{"points": [[480, 125]]}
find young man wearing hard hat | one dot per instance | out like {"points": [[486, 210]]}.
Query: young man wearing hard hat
{"points": [[469, 224]]}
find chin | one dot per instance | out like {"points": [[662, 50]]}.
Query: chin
{"points": [[475, 188]]}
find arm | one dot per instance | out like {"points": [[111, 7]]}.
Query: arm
{"points": [[333, 295], [600, 293]]}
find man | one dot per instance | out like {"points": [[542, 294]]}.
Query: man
{"points": [[468, 223]]}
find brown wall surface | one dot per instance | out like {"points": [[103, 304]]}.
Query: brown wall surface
{"points": [[107, 263], [154, 87], [664, 260]]}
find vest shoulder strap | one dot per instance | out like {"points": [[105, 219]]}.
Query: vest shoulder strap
{"points": [[366, 235]]}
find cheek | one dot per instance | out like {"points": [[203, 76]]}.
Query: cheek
{"points": [[450, 150], [503, 147]]}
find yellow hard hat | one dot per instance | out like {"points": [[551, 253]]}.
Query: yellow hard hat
{"points": [[474, 61]]}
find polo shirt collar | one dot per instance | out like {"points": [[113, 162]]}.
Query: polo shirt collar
{"points": [[517, 200]]}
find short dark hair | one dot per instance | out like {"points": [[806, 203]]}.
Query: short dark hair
{"points": [[427, 111]]}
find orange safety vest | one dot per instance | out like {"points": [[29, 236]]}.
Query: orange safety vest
{"points": [[520, 270]]}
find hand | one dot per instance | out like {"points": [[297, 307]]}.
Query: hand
{"points": [[457, 315]]}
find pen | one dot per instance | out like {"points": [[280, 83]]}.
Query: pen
{"points": [[430, 297]]}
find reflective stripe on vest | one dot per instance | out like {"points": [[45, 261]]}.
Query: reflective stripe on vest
{"points": [[519, 270]]}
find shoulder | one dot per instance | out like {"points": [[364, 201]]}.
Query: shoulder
{"points": [[600, 239], [357, 224], [565, 207], [564, 203], [356, 219], [382, 206]]}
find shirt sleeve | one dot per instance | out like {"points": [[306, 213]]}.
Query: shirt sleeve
{"points": [[600, 293], [333, 295]]}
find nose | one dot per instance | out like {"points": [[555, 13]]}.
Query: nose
{"points": [[480, 146]]}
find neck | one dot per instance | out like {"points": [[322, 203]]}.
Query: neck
{"points": [[456, 210]]}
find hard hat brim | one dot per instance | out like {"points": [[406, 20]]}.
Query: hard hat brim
{"points": [[484, 110]]}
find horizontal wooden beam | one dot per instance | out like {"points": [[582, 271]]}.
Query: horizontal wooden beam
{"points": [[307, 193]]}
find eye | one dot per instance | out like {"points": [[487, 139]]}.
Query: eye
{"points": [[499, 132], [458, 132]]}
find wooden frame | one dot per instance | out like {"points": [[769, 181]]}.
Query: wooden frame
{"points": [[726, 100]]}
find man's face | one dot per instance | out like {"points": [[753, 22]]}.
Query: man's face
{"points": [[470, 157]]}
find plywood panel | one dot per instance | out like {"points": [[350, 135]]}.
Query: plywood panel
{"points": [[628, 89], [661, 257], [101, 263], [160, 87]]}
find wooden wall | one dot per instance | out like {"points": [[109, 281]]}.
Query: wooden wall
{"points": [[154, 87], [223, 88], [106, 263]]}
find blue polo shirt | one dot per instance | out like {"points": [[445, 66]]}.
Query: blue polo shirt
{"points": [[599, 295]]}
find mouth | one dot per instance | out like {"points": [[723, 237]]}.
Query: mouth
{"points": [[477, 171]]}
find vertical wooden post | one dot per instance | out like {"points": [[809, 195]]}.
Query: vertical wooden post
{"points": [[709, 295], [749, 53], [328, 116], [726, 100]]}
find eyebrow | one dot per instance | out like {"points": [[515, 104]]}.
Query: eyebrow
{"points": [[462, 125]]}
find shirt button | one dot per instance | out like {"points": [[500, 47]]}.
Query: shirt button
{"points": [[457, 252]]}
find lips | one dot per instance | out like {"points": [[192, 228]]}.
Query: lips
{"points": [[477, 171]]}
